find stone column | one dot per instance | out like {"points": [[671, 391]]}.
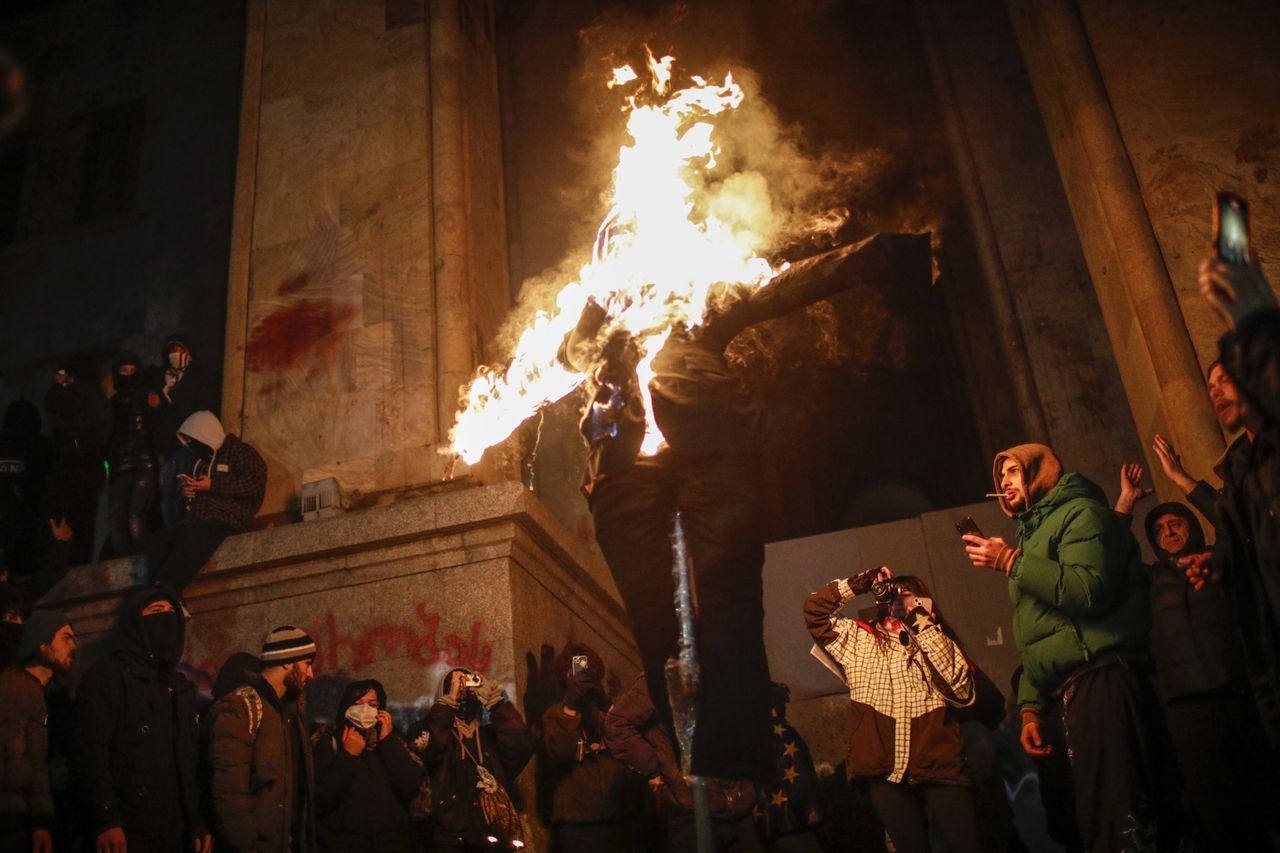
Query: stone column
{"points": [[1158, 364], [368, 223]]}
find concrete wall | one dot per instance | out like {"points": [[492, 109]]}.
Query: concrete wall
{"points": [[156, 266], [367, 260]]}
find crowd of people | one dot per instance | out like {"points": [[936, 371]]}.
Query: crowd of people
{"points": [[1147, 695], [176, 484]]}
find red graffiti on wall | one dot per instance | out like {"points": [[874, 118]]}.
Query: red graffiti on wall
{"points": [[339, 650]]}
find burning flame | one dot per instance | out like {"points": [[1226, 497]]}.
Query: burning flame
{"points": [[653, 265]]}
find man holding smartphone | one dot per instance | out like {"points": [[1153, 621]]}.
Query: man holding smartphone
{"points": [[1080, 621]]}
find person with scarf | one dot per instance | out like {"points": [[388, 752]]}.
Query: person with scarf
{"points": [[136, 736], [1080, 620], [474, 743], [224, 490], [592, 791], [903, 672], [131, 484], [365, 777]]}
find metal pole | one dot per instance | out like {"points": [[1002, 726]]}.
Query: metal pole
{"points": [[682, 687]]}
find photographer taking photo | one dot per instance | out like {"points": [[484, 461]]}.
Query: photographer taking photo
{"points": [[903, 672]]}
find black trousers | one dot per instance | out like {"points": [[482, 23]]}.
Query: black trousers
{"points": [[176, 554], [1215, 738], [130, 495], [730, 836], [718, 497], [1124, 783], [901, 810]]}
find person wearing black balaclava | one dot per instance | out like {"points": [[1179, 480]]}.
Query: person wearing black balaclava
{"points": [[131, 488], [1216, 737], [136, 736], [365, 777], [473, 759]]}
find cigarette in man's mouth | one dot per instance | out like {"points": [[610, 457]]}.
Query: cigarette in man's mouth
{"points": [[995, 494]]}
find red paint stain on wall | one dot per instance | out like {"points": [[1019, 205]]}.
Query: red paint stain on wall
{"points": [[305, 332]]}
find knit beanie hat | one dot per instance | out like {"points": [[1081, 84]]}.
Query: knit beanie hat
{"points": [[286, 645], [39, 629]]}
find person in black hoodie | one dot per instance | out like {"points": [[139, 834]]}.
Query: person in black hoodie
{"points": [[473, 764], [25, 459], [79, 418], [365, 777], [132, 480], [184, 386], [1199, 677], [136, 735]]}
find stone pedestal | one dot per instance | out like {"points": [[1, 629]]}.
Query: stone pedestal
{"points": [[481, 577], [368, 254]]}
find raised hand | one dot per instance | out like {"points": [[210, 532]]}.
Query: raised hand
{"points": [[1171, 462], [1130, 489]]}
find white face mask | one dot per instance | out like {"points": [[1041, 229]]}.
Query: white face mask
{"points": [[362, 716], [179, 359]]}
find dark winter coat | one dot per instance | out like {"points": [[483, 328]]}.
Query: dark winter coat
{"points": [[79, 416], [24, 748], [1248, 547], [590, 784], [633, 732], [129, 444], [136, 737], [197, 390], [507, 745], [362, 801], [254, 751], [1191, 630], [1076, 587], [238, 483]]}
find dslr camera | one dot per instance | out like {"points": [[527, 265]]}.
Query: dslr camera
{"points": [[885, 591]]}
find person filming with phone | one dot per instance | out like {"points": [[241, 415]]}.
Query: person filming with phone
{"points": [[1080, 619], [473, 743], [903, 670]]}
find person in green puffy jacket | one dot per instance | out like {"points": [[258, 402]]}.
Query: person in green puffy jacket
{"points": [[1080, 619]]}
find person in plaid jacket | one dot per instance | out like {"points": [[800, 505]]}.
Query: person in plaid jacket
{"points": [[903, 673], [223, 491]]}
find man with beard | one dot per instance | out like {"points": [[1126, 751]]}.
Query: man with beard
{"points": [[1207, 707], [131, 486], [592, 793], [263, 784], [48, 648], [1080, 620], [473, 764], [224, 490], [136, 735]]}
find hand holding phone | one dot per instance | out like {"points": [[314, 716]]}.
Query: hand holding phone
{"points": [[968, 527]]}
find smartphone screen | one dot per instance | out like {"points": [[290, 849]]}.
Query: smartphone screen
{"points": [[1232, 230]]}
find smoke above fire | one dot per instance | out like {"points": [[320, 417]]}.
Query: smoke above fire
{"points": [[709, 186]]}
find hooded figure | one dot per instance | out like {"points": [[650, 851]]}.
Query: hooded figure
{"points": [[472, 762], [593, 793], [224, 490], [137, 730], [365, 777], [131, 464], [25, 459], [1080, 619], [185, 386], [79, 419]]}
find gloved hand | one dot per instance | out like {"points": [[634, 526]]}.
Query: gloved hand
{"points": [[489, 692], [578, 688], [860, 584]]}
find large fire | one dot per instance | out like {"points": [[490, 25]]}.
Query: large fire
{"points": [[659, 251]]}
